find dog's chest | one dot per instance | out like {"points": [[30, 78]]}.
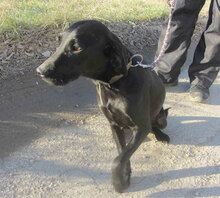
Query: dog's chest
{"points": [[114, 107]]}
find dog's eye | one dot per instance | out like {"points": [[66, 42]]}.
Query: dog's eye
{"points": [[79, 49], [76, 49]]}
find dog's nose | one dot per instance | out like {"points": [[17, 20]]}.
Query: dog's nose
{"points": [[45, 70], [39, 72]]}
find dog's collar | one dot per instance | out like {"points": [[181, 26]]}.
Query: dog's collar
{"points": [[135, 61], [112, 80], [118, 77]]}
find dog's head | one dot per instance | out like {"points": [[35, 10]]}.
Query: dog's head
{"points": [[87, 48]]}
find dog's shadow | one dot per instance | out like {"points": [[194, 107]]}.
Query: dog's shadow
{"points": [[28, 106]]}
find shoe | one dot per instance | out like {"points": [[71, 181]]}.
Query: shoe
{"points": [[170, 84], [198, 94]]}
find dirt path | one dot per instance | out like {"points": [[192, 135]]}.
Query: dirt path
{"points": [[54, 142]]}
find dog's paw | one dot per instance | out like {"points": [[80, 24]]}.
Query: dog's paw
{"points": [[162, 137], [120, 176]]}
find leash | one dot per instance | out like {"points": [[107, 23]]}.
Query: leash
{"points": [[139, 63], [171, 4]]}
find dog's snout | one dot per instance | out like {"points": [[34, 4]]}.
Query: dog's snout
{"points": [[42, 72], [46, 69], [39, 72]]}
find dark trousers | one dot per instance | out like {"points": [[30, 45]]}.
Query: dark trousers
{"points": [[206, 62]]}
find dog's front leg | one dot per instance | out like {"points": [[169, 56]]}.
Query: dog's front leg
{"points": [[120, 176], [119, 137]]}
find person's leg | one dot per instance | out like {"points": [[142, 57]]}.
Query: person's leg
{"points": [[206, 62], [182, 27]]}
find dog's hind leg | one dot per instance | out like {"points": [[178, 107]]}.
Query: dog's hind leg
{"points": [[160, 136], [120, 180]]}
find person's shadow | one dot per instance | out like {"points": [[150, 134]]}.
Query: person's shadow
{"points": [[152, 181]]}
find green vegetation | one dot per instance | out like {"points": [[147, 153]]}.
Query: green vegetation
{"points": [[17, 14]]}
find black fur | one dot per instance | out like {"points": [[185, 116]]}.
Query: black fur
{"points": [[133, 102]]}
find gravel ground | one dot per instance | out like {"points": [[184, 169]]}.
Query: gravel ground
{"points": [[54, 141]]}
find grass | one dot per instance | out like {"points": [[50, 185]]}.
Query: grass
{"points": [[16, 14]]}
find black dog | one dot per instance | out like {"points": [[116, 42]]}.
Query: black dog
{"points": [[131, 98]]}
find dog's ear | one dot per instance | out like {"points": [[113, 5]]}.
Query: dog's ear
{"points": [[166, 111], [117, 55]]}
